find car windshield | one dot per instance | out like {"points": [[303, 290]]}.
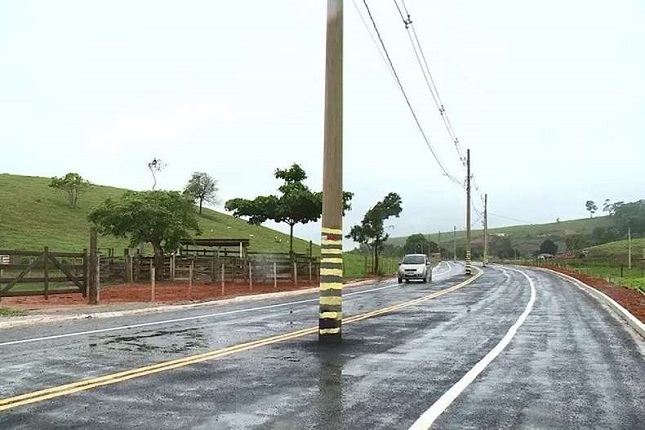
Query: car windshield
{"points": [[414, 259]]}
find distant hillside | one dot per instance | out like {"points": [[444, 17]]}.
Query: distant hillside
{"points": [[618, 251], [32, 216], [526, 238]]}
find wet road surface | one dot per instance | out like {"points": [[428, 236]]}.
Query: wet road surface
{"points": [[570, 364]]}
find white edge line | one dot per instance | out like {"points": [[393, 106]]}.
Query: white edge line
{"points": [[175, 320], [634, 322], [425, 421], [30, 321]]}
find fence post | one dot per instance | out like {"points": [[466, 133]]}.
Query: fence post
{"points": [[152, 283], [213, 269], [173, 267], [86, 266], [310, 272], [93, 267], [251, 275], [275, 275], [191, 273], [98, 277], [46, 271], [295, 273], [223, 277]]}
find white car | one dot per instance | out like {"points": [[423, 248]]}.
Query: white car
{"points": [[415, 266]]}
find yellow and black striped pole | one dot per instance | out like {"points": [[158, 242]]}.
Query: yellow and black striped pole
{"points": [[331, 263], [469, 270], [331, 284]]}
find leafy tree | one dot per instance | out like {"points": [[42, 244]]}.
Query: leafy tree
{"points": [[155, 166], [548, 247], [630, 215], [418, 243], [371, 231], [161, 218], [296, 204], [501, 247], [72, 184], [576, 242], [202, 188], [591, 207], [601, 235]]}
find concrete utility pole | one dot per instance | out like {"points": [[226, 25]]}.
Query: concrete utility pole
{"points": [[629, 247], [331, 262], [469, 270], [454, 243], [485, 229], [439, 240]]}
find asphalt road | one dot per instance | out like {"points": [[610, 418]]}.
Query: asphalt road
{"points": [[513, 349]]}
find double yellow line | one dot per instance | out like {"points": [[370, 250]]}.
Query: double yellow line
{"points": [[75, 387]]}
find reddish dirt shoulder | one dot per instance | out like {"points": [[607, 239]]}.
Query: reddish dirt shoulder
{"points": [[165, 292], [630, 299]]}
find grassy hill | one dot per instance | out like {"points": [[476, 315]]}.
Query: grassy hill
{"points": [[32, 216], [617, 251], [527, 238]]}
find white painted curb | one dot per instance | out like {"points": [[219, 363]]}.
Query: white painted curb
{"points": [[48, 319], [634, 322]]}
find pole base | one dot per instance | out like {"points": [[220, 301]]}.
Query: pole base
{"points": [[330, 339]]}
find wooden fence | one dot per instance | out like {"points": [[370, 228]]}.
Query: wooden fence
{"points": [[211, 268], [35, 273]]}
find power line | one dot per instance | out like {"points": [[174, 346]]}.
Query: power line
{"points": [[378, 48], [509, 218], [407, 100], [427, 75]]}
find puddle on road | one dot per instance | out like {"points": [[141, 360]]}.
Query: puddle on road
{"points": [[160, 341]]}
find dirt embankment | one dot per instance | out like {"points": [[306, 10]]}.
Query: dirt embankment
{"points": [[630, 299]]}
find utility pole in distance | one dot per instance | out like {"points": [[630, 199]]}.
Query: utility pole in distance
{"points": [[439, 244], [485, 230], [629, 247], [469, 270], [331, 261], [454, 243]]}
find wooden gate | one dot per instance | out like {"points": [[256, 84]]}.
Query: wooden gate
{"points": [[35, 273]]}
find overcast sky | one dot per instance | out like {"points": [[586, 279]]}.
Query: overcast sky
{"points": [[547, 94]]}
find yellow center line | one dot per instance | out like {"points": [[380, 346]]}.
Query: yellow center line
{"points": [[87, 384]]}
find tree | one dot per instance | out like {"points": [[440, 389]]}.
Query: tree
{"points": [[501, 247], [576, 242], [591, 207], [548, 247], [371, 231], [160, 218], [296, 204], [73, 184], [630, 215], [418, 243], [202, 188], [155, 166]]}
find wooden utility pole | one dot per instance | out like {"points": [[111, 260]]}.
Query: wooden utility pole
{"points": [[94, 268], [469, 270], [629, 247], [331, 262], [485, 230], [454, 243]]}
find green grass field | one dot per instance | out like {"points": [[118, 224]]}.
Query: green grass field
{"points": [[354, 265], [611, 261], [33, 216], [527, 238]]}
